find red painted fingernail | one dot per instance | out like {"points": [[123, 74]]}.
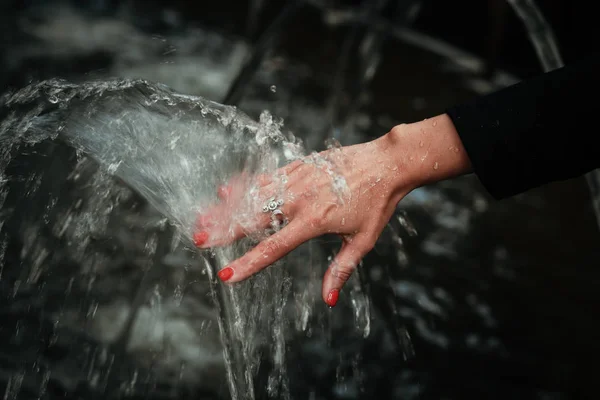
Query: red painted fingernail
{"points": [[225, 274], [200, 238], [332, 297], [224, 191]]}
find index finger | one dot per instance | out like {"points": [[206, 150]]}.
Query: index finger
{"points": [[267, 252]]}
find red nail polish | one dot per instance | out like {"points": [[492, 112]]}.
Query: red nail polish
{"points": [[225, 274], [332, 297], [200, 238]]}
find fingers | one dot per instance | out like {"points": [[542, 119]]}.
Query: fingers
{"points": [[225, 192], [235, 187], [220, 227], [267, 252], [222, 224], [342, 267]]}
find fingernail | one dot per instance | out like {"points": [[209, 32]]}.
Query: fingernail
{"points": [[332, 297], [224, 191], [225, 274], [200, 238]]}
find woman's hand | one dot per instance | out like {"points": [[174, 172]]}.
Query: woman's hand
{"points": [[351, 191]]}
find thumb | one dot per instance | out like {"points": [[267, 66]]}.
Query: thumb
{"points": [[342, 267]]}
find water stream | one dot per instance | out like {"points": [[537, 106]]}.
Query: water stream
{"points": [[172, 150]]}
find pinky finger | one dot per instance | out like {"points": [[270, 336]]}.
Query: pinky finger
{"points": [[342, 267]]}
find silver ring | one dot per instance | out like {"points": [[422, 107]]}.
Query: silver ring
{"points": [[272, 205], [278, 219]]}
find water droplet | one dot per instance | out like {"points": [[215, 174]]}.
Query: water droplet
{"points": [[333, 143], [406, 223], [113, 167], [169, 50], [411, 158], [178, 295], [273, 88], [434, 123], [53, 99], [436, 166], [456, 149], [421, 143]]}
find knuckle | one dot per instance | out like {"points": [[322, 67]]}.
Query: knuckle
{"points": [[319, 220], [316, 221], [291, 199], [321, 216], [294, 165], [342, 272]]}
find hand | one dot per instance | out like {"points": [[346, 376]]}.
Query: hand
{"points": [[352, 191]]}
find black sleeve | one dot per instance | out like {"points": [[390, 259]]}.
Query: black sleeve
{"points": [[535, 132]]}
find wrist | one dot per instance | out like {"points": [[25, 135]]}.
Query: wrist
{"points": [[428, 151]]}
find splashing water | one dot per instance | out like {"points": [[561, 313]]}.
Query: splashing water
{"points": [[172, 149], [100, 154]]}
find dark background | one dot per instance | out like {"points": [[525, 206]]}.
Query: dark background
{"points": [[548, 317], [487, 28]]}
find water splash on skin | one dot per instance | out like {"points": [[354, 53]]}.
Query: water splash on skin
{"points": [[327, 163]]}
